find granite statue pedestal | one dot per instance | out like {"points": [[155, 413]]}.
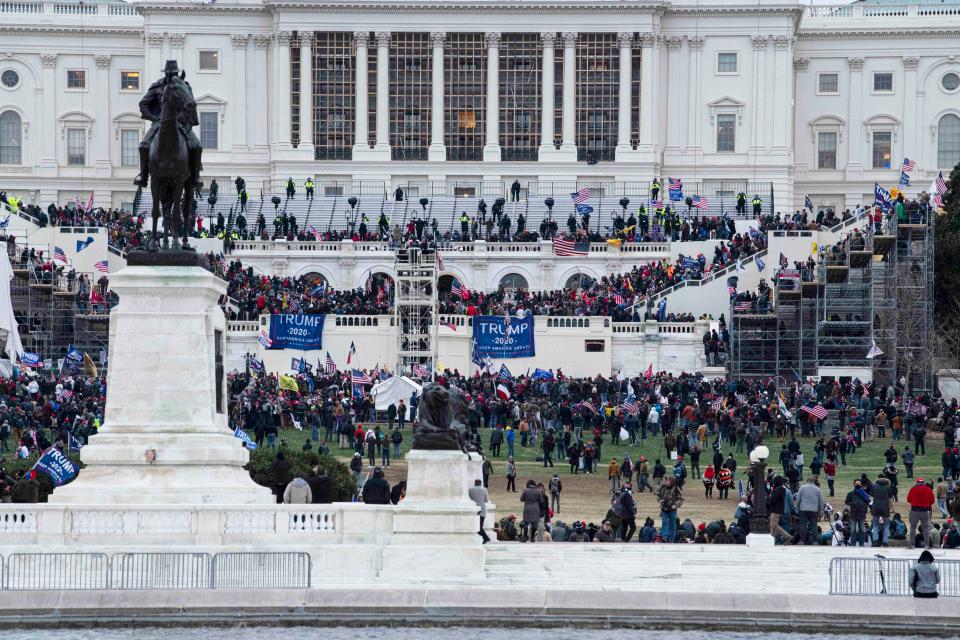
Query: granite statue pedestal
{"points": [[435, 527], [165, 438]]}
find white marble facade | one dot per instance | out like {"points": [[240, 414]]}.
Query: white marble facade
{"points": [[880, 80]]}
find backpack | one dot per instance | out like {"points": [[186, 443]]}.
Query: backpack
{"points": [[630, 508], [555, 485]]}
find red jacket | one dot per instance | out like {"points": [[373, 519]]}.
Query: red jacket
{"points": [[921, 496]]}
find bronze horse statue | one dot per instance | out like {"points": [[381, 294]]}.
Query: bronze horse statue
{"points": [[170, 181]]}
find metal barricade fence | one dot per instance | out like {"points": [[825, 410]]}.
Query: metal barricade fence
{"points": [[878, 576], [57, 571], [280, 570], [162, 570]]}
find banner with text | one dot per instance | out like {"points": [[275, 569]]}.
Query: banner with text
{"points": [[504, 337], [303, 332]]}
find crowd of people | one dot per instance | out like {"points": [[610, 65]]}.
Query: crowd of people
{"points": [[40, 410]]}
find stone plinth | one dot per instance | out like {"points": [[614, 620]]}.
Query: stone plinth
{"points": [[165, 438], [435, 526]]}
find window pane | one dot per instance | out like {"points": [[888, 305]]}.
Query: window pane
{"points": [[208, 129], [597, 95], [76, 79], [727, 63], [11, 130], [76, 146], [129, 148], [333, 81], [209, 61], [882, 149], [129, 80], [726, 133], [828, 83], [827, 150], [948, 141], [520, 82], [883, 82]]}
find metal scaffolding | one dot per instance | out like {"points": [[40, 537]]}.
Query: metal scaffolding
{"points": [[415, 309], [873, 289]]}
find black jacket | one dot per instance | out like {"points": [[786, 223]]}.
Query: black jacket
{"points": [[376, 491]]}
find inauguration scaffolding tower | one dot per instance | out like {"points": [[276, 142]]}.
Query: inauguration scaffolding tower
{"points": [[415, 309]]}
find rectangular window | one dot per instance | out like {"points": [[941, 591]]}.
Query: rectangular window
{"points": [[883, 82], [76, 79], [333, 109], [520, 84], [727, 62], [594, 346], [129, 148], [828, 83], [597, 72], [464, 73], [209, 60], [726, 133], [827, 150], [882, 149], [208, 129], [76, 147], [129, 80]]}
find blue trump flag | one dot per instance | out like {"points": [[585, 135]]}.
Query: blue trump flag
{"points": [[303, 332], [504, 337], [540, 374], [247, 441], [73, 361], [56, 466], [881, 196], [662, 309]]}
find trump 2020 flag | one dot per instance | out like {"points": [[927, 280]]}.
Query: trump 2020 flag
{"points": [[56, 466], [760, 264], [881, 196], [247, 441], [904, 179]]}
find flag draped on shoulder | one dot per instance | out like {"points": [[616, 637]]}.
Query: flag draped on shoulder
{"points": [[288, 383]]}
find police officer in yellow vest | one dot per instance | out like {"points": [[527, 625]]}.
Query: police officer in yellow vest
{"points": [[757, 203], [741, 202], [308, 185], [464, 225], [654, 189]]}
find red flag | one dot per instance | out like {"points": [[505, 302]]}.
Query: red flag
{"points": [[649, 372]]}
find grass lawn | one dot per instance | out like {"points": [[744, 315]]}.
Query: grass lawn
{"points": [[587, 497]]}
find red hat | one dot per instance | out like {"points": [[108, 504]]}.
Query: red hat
{"points": [[919, 480], [701, 527]]}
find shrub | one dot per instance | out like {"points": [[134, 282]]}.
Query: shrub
{"points": [[343, 486]]}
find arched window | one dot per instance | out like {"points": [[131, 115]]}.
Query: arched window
{"points": [[514, 281], [11, 141], [314, 278], [948, 141]]}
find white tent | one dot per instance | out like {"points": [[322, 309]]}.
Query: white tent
{"points": [[393, 390], [8, 323]]}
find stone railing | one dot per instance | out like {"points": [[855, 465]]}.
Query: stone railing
{"points": [[337, 523], [858, 11], [67, 9], [243, 326]]}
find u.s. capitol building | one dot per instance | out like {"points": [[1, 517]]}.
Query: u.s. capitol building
{"points": [[461, 96]]}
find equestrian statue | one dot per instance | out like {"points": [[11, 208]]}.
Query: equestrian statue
{"points": [[170, 155]]}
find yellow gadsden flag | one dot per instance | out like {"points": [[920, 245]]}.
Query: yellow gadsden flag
{"points": [[288, 383]]}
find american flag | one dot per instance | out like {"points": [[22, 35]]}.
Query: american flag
{"points": [[352, 352], [656, 204], [420, 371], [581, 196], [265, 340], [618, 299], [742, 306], [58, 254], [66, 395], [908, 165], [360, 377], [449, 325], [940, 184], [313, 231], [586, 404], [562, 247], [459, 290], [103, 266], [700, 202], [815, 410], [732, 290], [674, 184], [630, 406], [331, 365]]}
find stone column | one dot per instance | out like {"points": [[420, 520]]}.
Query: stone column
{"points": [[281, 90], [306, 93], [258, 99], [855, 142], [759, 96], [240, 114], [568, 142], [910, 109], [695, 43], [625, 104], [649, 80], [48, 141], [176, 41], [438, 148], [491, 150], [361, 127], [782, 96], [383, 93], [103, 122], [673, 92], [546, 93]]}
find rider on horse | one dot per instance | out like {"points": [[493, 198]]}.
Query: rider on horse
{"points": [[150, 108]]}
